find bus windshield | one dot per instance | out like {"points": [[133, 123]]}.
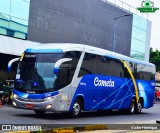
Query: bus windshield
{"points": [[35, 72]]}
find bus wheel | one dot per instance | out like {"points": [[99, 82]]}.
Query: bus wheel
{"points": [[77, 107], [39, 112], [132, 108], [139, 107]]}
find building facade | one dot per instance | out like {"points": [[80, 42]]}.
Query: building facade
{"points": [[14, 18], [88, 22], [140, 41], [99, 23]]}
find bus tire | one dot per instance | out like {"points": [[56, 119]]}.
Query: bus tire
{"points": [[132, 108], [39, 112], [139, 107], [76, 109]]}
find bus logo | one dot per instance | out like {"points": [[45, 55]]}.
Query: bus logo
{"points": [[105, 83], [147, 7], [32, 92]]}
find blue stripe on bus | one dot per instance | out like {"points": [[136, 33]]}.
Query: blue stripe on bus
{"points": [[34, 96], [44, 50]]}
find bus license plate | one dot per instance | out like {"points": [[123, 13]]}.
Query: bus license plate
{"points": [[29, 105]]}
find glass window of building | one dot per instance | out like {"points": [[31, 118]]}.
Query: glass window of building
{"points": [[139, 22], [139, 37], [138, 33], [14, 18], [138, 45], [137, 55]]}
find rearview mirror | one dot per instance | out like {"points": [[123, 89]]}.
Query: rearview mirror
{"points": [[58, 64], [11, 62]]}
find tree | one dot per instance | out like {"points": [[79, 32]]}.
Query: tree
{"points": [[155, 58]]}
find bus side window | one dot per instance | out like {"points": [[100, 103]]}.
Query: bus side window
{"points": [[63, 75], [117, 68], [88, 65], [132, 68], [152, 71], [67, 69], [145, 72], [101, 65]]}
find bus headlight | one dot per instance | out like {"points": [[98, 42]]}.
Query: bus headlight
{"points": [[15, 96], [49, 98]]}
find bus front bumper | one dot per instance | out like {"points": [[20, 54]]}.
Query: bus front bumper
{"points": [[45, 105]]}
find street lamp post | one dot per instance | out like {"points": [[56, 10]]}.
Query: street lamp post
{"points": [[114, 28]]}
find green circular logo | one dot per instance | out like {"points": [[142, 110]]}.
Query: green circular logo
{"points": [[147, 4]]}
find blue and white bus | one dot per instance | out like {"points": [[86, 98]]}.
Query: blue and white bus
{"points": [[75, 77]]}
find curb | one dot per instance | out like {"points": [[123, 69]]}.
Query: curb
{"points": [[68, 129]]}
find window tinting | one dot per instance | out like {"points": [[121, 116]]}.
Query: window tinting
{"points": [[96, 64], [132, 66], [88, 65], [145, 72], [108, 66], [67, 69], [152, 73]]}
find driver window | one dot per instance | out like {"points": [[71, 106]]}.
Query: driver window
{"points": [[67, 69]]}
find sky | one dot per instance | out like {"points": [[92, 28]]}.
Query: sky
{"points": [[153, 17]]}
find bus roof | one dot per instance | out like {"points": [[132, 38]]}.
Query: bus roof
{"points": [[63, 47]]}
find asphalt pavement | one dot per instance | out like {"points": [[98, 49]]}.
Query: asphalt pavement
{"points": [[10, 115]]}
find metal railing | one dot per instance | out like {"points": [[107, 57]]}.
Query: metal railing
{"points": [[126, 7]]}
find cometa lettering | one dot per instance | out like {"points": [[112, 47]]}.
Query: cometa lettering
{"points": [[105, 83]]}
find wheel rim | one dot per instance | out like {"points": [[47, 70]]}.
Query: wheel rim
{"points": [[132, 107], [76, 108], [139, 107]]}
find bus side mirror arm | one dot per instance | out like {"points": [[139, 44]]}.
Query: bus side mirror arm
{"points": [[58, 64], [11, 62]]}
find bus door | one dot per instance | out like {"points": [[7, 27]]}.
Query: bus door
{"points": [[64, 78]]}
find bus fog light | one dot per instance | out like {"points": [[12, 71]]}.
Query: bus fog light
{"points": [[14, 104], [49, 106]]}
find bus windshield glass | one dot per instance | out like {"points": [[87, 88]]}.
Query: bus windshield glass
{"points": [[35, 72]]}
